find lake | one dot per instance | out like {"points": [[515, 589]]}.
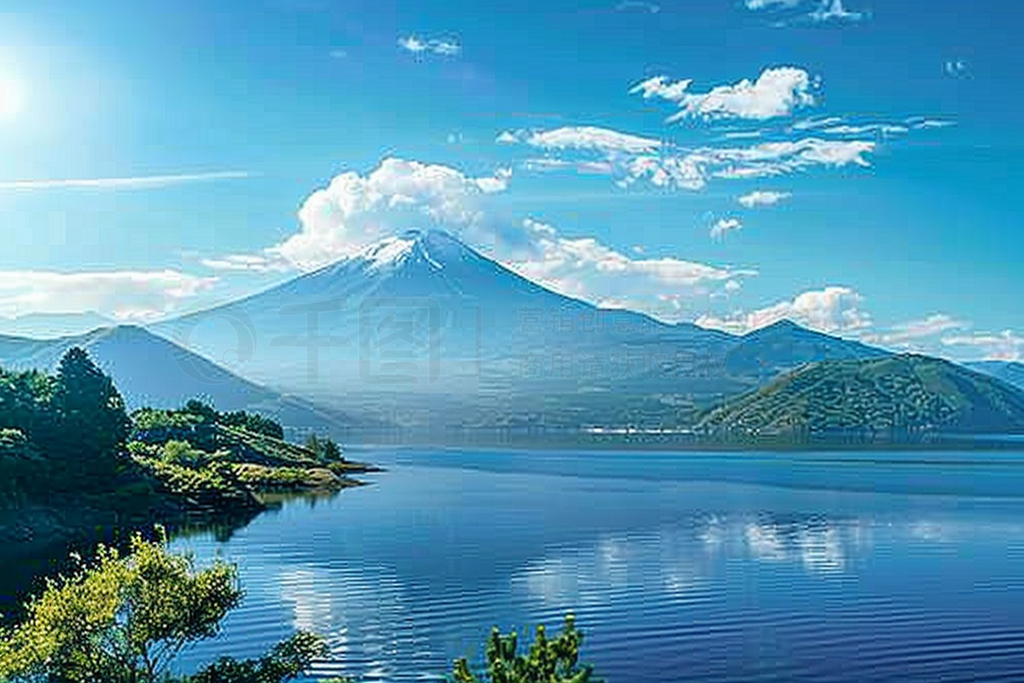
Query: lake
{"points": [[847, 567]]}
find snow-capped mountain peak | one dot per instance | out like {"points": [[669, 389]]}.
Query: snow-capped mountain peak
{"points": [[433, 248]]}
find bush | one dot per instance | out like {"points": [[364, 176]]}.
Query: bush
{"points": [[548, 661]]}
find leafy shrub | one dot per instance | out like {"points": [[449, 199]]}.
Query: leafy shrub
{"points": [[125, 620], [549, 660]]}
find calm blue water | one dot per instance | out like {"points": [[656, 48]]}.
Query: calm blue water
{"points": [[844, 568]]}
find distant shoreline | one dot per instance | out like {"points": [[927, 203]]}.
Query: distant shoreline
{"points": [[964, 443]]}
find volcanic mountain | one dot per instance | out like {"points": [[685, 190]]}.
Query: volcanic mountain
{"points": [[422, 314]]}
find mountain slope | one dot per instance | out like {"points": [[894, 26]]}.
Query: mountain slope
{"points": [[903, 392], [151, 371], [1008, 371]]}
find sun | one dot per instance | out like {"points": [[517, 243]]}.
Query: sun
{"points": [[11, 99]]}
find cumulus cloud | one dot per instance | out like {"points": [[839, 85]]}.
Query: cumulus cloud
{"points": [[587, 269], [1006, 345], [777, 92], [831, 310], [124, 295], [417, 45], [724, 226], [762, 198], [355, 210]]}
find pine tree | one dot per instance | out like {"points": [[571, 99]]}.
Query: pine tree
{"points": [[93, 422]]}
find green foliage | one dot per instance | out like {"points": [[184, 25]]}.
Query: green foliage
{"points": [[285, 662], [182, 453], [93, 423], [324, 449], [148, 419], [19, 462], [203, 411], [257, 424], [549, 660], [188, 482], [120, 619], [880, 397], [124, 619]]}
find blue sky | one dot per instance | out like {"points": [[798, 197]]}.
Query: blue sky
{"points": [[161, 156]]}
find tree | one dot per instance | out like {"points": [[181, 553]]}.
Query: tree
{"points": [[324, 449], [204, 411], [125, 619], [285, 661], [92, 419], [548, 661]]}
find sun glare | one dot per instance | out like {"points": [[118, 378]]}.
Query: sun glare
{"points": [[11, 99]]}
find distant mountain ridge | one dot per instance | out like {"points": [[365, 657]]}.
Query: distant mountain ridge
{"points": [[53, 325], [151, 371], [875, 396]]}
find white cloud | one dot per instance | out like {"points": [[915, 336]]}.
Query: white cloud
{"points": [[693, 169], [763, 198], [928, 124], [907, 336], [627, 5], [833, 10], [128, 183], [416, 45], [955, 67], [777, 92], [586, 269], [356, 210], [338, 54], [830, 310], [724, 226], [762, 4], [246, 262], [742, 134], [1006, 345], [583, 138], [124, 295], [812, 123], [660, 86], [868, 129], [826, 10]]}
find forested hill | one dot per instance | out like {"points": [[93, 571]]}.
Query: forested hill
{"points": [[897, 393]]}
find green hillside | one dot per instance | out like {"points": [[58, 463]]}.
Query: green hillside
{"points": [[875, 397]]}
